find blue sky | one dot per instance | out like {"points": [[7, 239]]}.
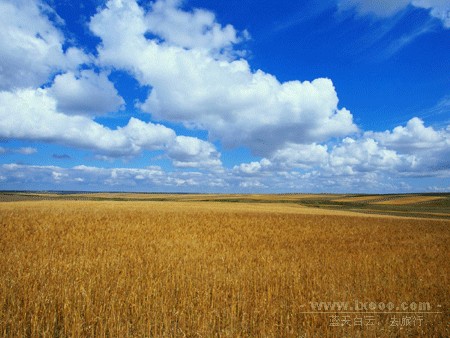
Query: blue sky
{"points": [[348, 96]]}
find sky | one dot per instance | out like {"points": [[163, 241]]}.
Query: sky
{"points": [[237, 96]]}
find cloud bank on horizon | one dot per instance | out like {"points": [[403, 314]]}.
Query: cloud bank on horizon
{"points": [[204, 118]]}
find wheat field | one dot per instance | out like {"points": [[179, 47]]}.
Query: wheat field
{"points": [[214, 269], [410, 200]]}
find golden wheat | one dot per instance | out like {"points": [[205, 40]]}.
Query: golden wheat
{"points": [[410, 200], [162, 269], [368, 199]]}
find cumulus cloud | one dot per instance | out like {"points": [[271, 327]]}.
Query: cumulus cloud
{"points": [[365, 155], [285, 123], [439, 9], [253, 167], [197, 29], [430, 148], [88, 94], [191, 152], [33, 115], [303, 156], [31, 48], [411, 150], [241, 108], [413, 137], [234, 104], [190, 62]]}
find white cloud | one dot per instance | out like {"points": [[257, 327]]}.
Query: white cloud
{"points": [[413, 137], [192, 152], [252, 184], [88, 94], [86, 176], [372, 158], [436, 189], [24, 174], [33, 115], [58, 176], [190, 63], [27, 150], [31, 48], [148, 136], [253, 167], [439, 9], [197, 29], [242, 108], [233, 103], [97, 178], [285, 123], [430, 148], [302, 156], [22, 151], [365, 155]]}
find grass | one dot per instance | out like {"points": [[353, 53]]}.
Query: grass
{"points": [[211, 269]]}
